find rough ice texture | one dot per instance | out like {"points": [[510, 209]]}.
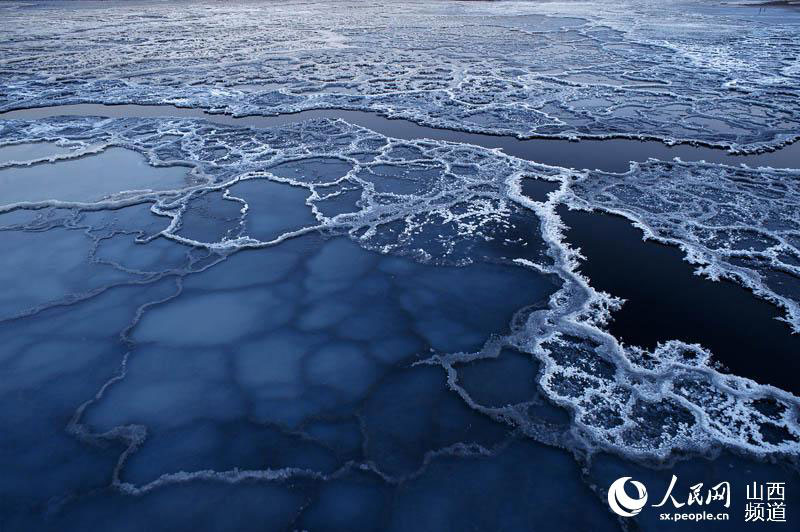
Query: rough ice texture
{"points": [[433, 204], [733, 222], [280, 237], [642, 69]]}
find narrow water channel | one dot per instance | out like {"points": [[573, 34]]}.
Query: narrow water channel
{"points": [[612, 155]]}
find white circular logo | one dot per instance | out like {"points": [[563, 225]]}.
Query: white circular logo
{"points": [[619, 501]]}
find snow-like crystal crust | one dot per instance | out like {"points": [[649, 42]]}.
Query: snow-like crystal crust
{"points": [[436, 203], [677, 72]]}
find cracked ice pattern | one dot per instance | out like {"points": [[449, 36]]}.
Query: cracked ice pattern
{"points": [[202, 323], [677, 71], [233, 305]]}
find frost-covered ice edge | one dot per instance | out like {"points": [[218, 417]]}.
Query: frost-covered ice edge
{"points": [[675, 72], [650, 406]]}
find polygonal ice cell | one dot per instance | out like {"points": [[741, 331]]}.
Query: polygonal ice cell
{"points": [[212, 319], [342, 366], [312, 170], [273, 208]]}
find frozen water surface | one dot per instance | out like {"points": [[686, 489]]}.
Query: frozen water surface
{"points": [[609, 154], [273, 339], [31, 151], [85, 179], [319, 325], [684, 71]]}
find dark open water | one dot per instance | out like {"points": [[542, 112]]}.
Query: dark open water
{"points": [[666, 301]]}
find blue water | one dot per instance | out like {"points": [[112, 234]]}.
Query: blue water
{"points": [[298, 375], [297, 359], [338, 271], [86, 179]]}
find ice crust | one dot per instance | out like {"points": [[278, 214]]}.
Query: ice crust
{"points": [[455, 208], [274, 240], [638, 69], [738, 223]]}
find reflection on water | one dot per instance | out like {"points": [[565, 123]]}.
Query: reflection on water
{"points": [[88, 178]]}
